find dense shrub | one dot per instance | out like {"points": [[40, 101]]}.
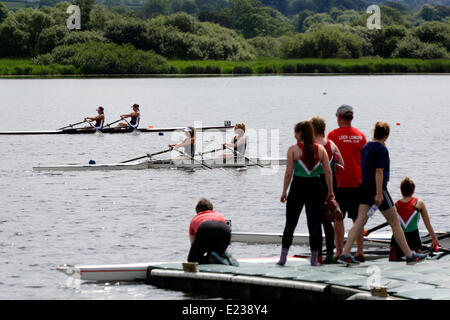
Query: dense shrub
{"points": [[50, 38], [106, 58], [266, 46], [386, 40], [242, 70], [167, 36], [83, 36], [327, 42], [412, 47], [434, 32]]}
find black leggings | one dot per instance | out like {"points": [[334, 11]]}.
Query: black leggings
{"points": [[327, 225], [304, 192], [210, 236]]}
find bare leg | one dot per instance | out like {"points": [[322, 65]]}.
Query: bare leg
{"points": [[397, 231], [122, 125], [360, 242], [357, 228], [339, 237]]}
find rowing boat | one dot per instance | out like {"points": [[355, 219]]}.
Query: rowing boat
{"points": [[110, 130], [167, 164], [138, 271], [374, 240], [128, 272]]}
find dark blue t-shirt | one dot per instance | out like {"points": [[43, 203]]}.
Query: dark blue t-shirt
{"points": [[374, 155]]}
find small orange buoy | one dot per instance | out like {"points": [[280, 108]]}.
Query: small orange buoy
{"points": [[398, 123], [150, 126]]}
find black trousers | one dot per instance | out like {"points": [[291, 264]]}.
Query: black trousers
{"points": [[210, 236], [304, 192], [327, 225]]}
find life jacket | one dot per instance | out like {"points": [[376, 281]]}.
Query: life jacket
{"points": [[300, 167], [408, 214]]}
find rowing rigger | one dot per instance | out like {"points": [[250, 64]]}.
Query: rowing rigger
{"points": [[167, 164], [110, 130]]}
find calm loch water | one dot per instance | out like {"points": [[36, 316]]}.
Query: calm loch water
{"points": [[47, 219]]}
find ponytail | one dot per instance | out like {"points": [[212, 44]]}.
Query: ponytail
{"points": [[307, 131]]}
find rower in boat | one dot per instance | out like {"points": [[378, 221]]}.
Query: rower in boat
{"points": [[135, 118], [238, 143], [99, 120], [188, 143]]}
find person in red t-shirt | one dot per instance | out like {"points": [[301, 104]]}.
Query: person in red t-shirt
{"points": [[350, 142], [208, 232]]}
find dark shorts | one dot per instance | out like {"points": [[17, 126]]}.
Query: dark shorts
{"points": [[367, 196], [414, 243], [348, 199]]}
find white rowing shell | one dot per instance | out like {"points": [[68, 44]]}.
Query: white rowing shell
{"points": [[161, 164]]}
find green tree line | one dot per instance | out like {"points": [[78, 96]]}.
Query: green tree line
{"points": [[115, 40]]}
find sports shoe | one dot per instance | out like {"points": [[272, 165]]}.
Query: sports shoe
{"points": [[330, 259], [348, 260], [233, 262], [360, 258], [415, 257], [215, 258], [320, 259]]}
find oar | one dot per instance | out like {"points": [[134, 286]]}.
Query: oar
{"points": [[211, 151], [186, 155], [129, 124], [367, 232], [249, 160], [109, 124], [71, 125], [147, 155]]}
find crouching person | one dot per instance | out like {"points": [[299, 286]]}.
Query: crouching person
{"points": [[210, 236]]}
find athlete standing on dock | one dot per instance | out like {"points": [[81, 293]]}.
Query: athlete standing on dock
{"points": [[303, 168], [350, 142], [135, 118], [375, 173], [334, 156]]}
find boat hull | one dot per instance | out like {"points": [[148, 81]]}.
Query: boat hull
{"points": [[109, 130], [166, 164], [138, 271]]}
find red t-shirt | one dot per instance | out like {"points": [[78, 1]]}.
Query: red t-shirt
{"points": [[201, 217], [350, 142]]}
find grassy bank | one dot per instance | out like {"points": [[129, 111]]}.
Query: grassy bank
{"points": [[280, 66], [24, 67]]}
